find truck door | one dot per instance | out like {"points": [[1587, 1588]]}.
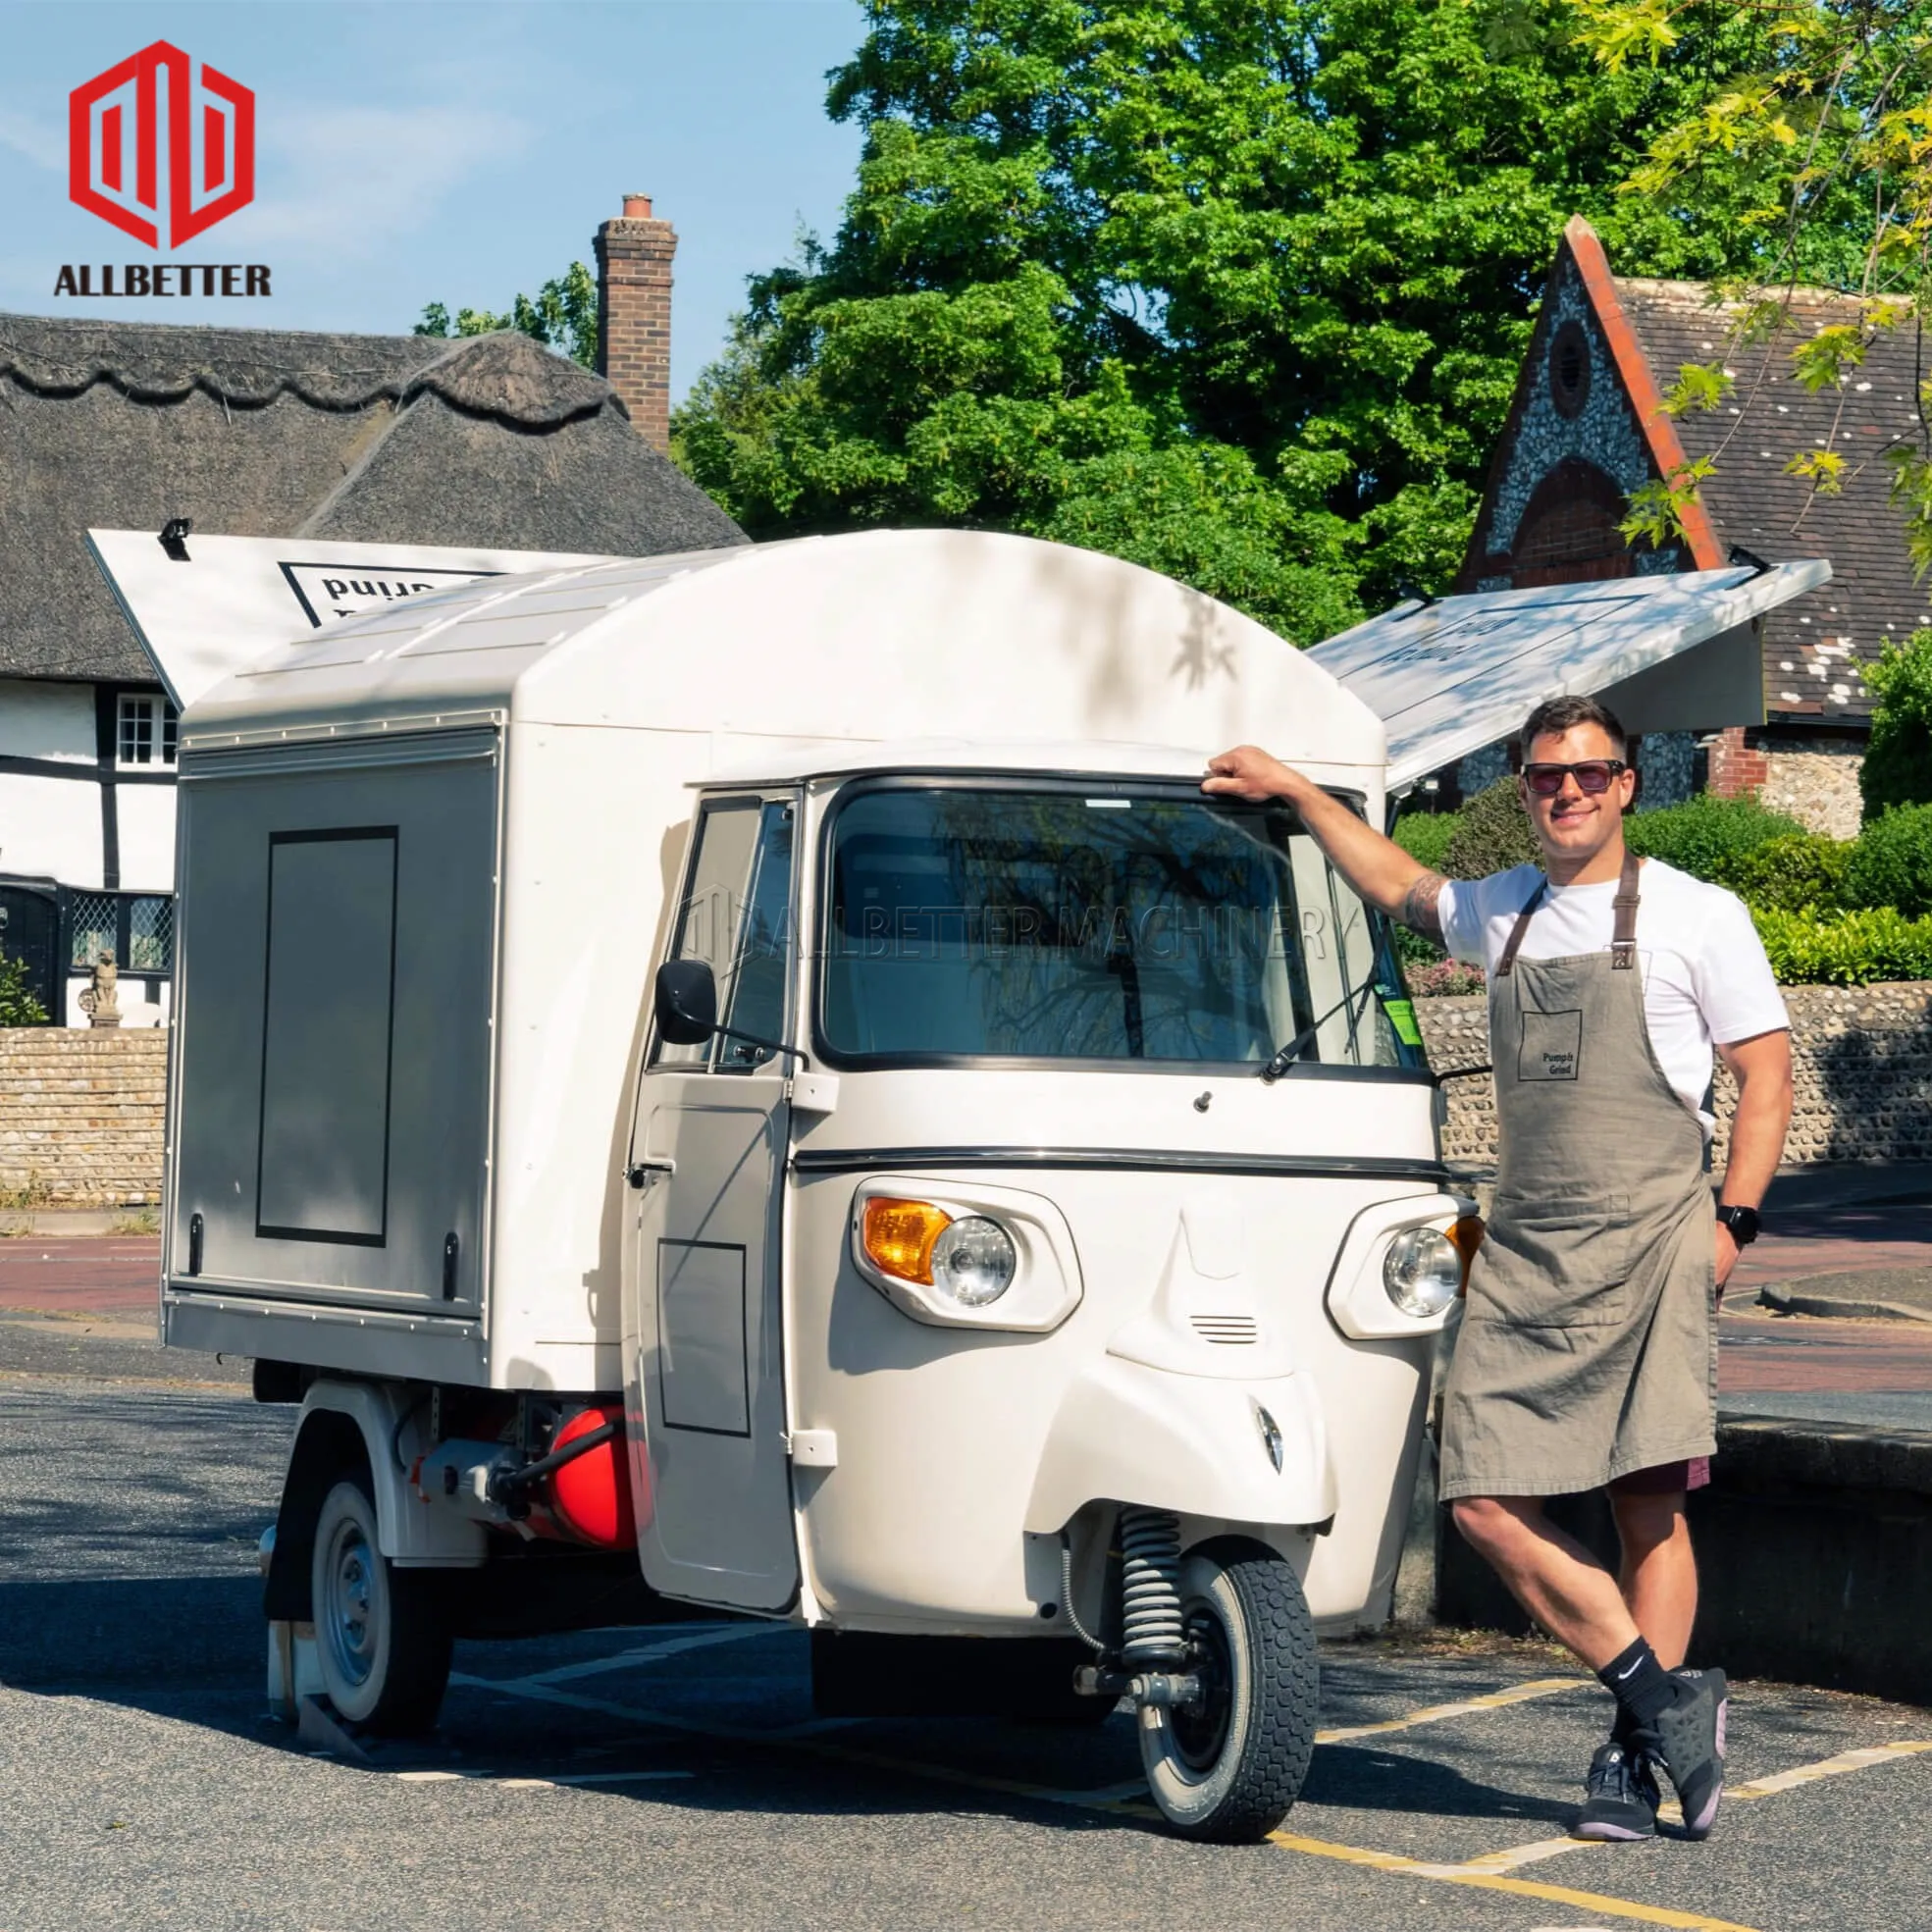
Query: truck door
{"points": [[703, 1341]]}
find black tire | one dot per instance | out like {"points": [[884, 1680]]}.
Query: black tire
{"points": [[382, 1635], [1230, 1772]]}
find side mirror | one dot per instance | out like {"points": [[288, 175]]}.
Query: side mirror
{"points": [[686, 1002]]}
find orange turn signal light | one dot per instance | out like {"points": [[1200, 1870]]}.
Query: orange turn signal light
{"points": [[897, 1236], [1466, 1237]]}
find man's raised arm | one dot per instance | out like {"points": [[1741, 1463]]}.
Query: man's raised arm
{"points": [[1376, 867]]}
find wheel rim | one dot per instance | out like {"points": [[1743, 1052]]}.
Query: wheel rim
{"points": [[1200, 1734], [350, 1614]]}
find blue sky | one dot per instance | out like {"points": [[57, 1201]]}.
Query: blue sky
{"points": [[447, 150]]}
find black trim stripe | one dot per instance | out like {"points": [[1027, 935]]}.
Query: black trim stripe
{"points": [[107, 729], [1121, 1159], [17, 766]]}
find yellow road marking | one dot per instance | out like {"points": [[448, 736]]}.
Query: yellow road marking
{"points": [[1672, 1812], [1829, 1767], [1519, 1694], [1491, 1881], [1488, 1872]]}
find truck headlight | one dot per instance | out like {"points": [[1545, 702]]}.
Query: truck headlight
{"points": [[973, 1261], [1422, 1271]]}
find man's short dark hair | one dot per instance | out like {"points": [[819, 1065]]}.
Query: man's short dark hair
{"points": [[1556, 715]]}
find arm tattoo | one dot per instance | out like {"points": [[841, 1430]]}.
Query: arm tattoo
{"points": [[1420, 906]]}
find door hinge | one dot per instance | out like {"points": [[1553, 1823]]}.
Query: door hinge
{"points": [[641, 1174], [814, 1448]]}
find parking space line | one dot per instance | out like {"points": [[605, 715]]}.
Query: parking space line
{"points": [[1491, 1881], [1518, 1693], [1830, 1767], [642, 1653], [1516, 1855], [537, 1784], [1492, 1871]]}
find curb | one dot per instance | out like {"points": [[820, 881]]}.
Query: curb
{"points": [[1789, 1299]]}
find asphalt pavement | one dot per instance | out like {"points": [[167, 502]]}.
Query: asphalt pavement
{"points": [[677, 1776]]}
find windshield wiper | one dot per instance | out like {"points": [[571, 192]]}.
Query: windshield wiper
{"points": [[1289, 1054]]}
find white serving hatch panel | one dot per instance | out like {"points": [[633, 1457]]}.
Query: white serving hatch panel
{"points": [[235, 598], [1668, 653]]}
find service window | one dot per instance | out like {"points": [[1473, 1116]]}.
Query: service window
{"points": [[736, 917]]}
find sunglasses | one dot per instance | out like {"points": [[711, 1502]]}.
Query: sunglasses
{"points": [[1592, 775]]}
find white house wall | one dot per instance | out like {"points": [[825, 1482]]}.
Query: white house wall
{"points": [[46, 720], [51, 828], [147, 837]]}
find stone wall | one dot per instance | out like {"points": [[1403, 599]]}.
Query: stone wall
{"points": [[1861, 1064], [1817, 782], [81, 1116]]}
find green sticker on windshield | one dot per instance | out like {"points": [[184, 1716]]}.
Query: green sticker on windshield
{"points": [[1402, 1016]]}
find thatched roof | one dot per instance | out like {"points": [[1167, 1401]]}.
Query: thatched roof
{"points": [[491, 442]]}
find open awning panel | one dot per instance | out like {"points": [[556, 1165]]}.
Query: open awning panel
{"points": [[224, 601], [1670, 652]]}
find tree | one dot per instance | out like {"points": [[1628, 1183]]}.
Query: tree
{"points": [[1821, 146], [1896, 768], [1232, 287], [564, 315]]}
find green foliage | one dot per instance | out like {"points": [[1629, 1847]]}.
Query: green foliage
{"points": [[17, 1007], [562, 316], [1495, 834], [1240, 291], [1891, 862], [1426, 835], [1817, 150], [1898, 763], [1844, 949], [1792, 872], [1707, 837]]}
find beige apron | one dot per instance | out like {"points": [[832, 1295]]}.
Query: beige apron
{"points": [[1588, 1341]]}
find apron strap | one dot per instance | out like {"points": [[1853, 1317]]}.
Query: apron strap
{"points": [[1623, 935], [1517, 931]]}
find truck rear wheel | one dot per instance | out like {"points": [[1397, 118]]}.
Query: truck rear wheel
{"points": [[1227, 1769], [382, 1637]]}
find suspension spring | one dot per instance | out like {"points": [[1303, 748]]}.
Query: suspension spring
{"points": [[1152, 1630]]}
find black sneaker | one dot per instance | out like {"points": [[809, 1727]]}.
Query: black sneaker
{"points": [[1620, 1796], [1688, 1740]]}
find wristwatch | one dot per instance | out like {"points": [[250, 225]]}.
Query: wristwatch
{"points": [[1743, 1223]]}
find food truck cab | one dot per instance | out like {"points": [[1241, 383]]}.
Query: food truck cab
{"points": [[756, 1081]]}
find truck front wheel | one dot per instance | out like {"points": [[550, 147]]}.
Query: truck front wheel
{"points": [[382, 1637], [1228, 1768]]}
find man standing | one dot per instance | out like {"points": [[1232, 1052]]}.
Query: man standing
{"points": [[1587, 1354]]}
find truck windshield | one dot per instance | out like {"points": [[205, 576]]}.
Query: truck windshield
{"points": [[971, 922]]}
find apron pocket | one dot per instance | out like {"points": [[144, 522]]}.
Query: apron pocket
{"points": [[1556, 1265]]}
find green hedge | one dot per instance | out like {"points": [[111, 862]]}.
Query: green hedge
{"points": [[1831, 910], [1708, 838], [1890, 862], [1844, 949]]}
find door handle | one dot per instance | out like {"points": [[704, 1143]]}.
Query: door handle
{"points": [[641, 1174]]}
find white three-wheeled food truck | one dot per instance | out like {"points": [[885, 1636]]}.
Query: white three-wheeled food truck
{"points": [[756, 1081]]}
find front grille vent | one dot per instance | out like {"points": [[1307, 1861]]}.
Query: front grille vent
{"points": [[1229, 1331]]}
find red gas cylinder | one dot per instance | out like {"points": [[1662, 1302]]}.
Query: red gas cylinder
{"points": [[591, 1494]]}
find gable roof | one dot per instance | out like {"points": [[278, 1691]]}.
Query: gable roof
{"points": [[490, 441], [1638, 335], [1766, 418]]}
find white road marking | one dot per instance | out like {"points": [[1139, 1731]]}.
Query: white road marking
{"points": [[539, 1784], [644, 1653]]}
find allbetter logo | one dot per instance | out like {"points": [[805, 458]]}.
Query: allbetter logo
{"points": [[120, 167], [161, 145]]}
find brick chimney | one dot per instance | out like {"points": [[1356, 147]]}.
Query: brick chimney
{"points": [[634, 315]]}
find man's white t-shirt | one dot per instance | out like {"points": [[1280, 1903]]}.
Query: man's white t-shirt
{"points": [[1706, 976]]}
